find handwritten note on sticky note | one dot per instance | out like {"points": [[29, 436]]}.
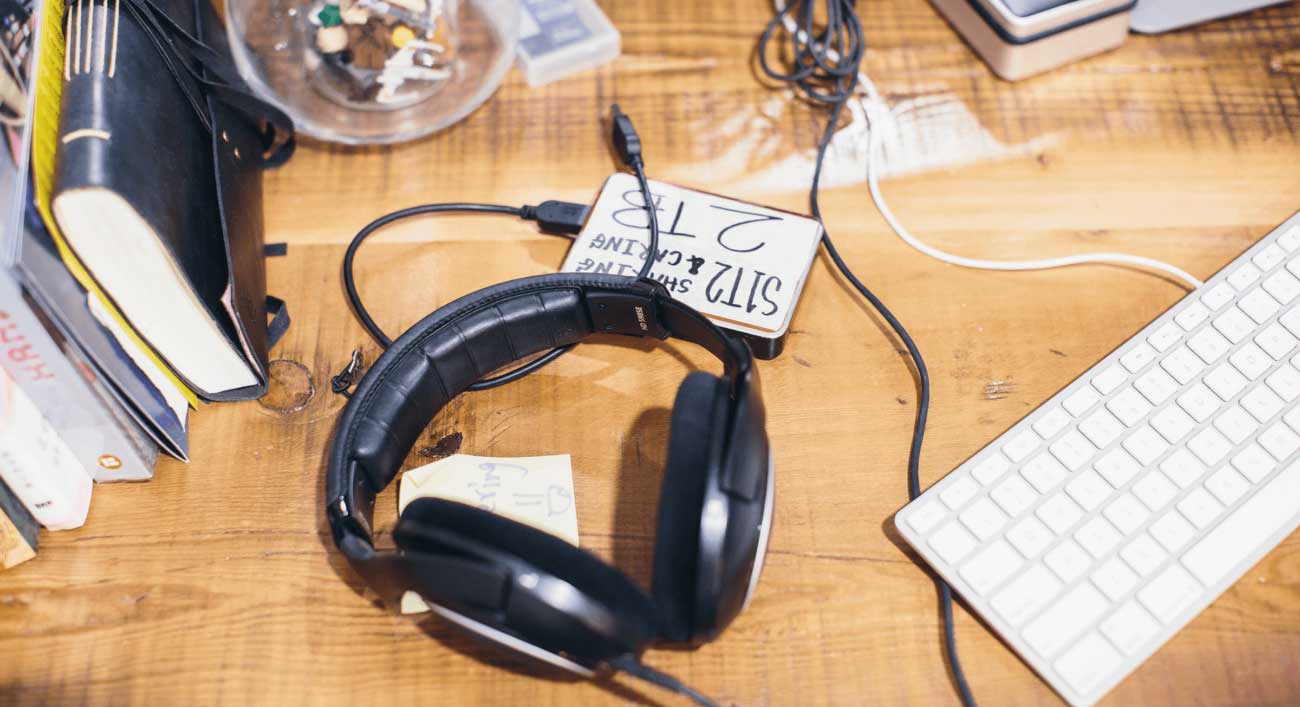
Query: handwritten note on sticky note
{"points": [[537, 491]]}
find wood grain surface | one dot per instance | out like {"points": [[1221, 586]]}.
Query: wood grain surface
{"points": [[217, 582]]}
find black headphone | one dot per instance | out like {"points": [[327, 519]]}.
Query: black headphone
{"points": [[524, 588]]}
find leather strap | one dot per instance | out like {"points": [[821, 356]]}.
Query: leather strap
{"points": [[181, 51], [441, 356]]}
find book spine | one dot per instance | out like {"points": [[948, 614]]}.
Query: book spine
{"points": [[18, 530], [37, 465], [34, 359]]}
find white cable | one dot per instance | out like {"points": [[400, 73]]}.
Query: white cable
{"points": [[874, 143]]}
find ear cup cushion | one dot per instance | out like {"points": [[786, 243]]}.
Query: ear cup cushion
{"points": [[586, 572], [682, 502]]}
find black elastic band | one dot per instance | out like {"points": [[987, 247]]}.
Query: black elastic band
{"points": [[280, 321]]}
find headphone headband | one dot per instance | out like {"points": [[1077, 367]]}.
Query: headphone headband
{"points": [[459, 344]]}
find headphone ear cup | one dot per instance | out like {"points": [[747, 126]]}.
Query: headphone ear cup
{"points": [[681, 503], [439, 526]]}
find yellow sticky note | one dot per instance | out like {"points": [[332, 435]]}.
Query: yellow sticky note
{"points": [[536, 491]]}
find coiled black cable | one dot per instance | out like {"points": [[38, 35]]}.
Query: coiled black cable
{"points": [[825, 57]]}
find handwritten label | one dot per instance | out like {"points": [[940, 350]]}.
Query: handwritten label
{"points": [[740, 264], [536, 491]]}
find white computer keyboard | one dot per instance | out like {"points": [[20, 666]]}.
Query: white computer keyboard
{"points": [[1101, 524]]}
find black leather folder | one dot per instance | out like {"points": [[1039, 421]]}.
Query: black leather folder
{"points": [[158, 186]]}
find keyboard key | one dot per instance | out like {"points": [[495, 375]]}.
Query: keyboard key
{"points": [[1025, 595], [1292, 418], [1101, 428], [1155, 490], [1182, 468], [1070, 616], [1169, 593], [1209, 446], [1097, 536], [1183, 365], [1052, 422], [1258, 305], [1114, 578], [1022, 445], [1285, 381], [1236, 424], [959, 492], [1209, 345], [1126, 514], [952, 542], [1156, 386], [1014, 495], [1269, 257], [1199, 402], [1172, 531], [1165, 337], [1129, 406], [1117, 467], [1262, 404], [1068, 561], [1225, 381], [1254, 463], [1192, 316], [1173, 424], [1276, 341], [926, 517], [1234, 325], [993, 565], [1060, 513], [1109, 380], [1030, 536], [1073, 450], [1130, 627], [1219, 295], [1135, 360], [1146, 445], [1291, 320], [1087, 663], [1143, 555], [1043, 472], [1282, 286], [1227, 485], [1261, 516], [1244, 276], [1290, 240], [983, 519], [991, 469], [1200, 508], [1279, 441], [1081, 401], [1251, 361]]}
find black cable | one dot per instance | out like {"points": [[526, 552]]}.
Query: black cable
{"points": [[367, 321], [556, 217], [825, 64], [630, 665]]}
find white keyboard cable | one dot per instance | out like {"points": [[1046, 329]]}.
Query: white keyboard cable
{"points": [[875, 143]]}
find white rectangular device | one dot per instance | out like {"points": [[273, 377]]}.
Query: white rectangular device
{"points": [[1154, 16], [1094, 529]]}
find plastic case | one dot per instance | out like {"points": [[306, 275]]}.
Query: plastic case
{"points": [[1021, 38], [562, 37]]}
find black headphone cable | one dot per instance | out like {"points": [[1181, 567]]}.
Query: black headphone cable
{"points": [[824, 68], [630, 665], [553, 217]]}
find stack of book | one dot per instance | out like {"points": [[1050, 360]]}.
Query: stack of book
{"points": [[132, 281]]}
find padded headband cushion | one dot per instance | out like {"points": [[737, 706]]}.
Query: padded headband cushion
{"points": [[442, 355], [695, 416], [586, 572]]}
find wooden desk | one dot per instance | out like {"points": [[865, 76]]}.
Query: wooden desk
{"points": [[217, 582]]}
